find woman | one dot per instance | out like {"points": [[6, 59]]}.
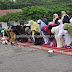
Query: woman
{"points": [[63, 13], [64, 33], [56, 31], [34, 28], [50, 35], [55, 18], [6, 33], [43, 32]]}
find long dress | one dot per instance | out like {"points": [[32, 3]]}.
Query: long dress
{"points": [[43, 33], [59, 41]]}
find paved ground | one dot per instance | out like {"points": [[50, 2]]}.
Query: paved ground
{"points": [[21, 59]]}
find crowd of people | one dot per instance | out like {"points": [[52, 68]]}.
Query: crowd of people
{"points": [[56, 33]]}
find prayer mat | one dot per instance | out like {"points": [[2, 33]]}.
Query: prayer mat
{"points": [[65, 51]]}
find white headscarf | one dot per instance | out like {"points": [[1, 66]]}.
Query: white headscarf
{"points": [[60, 28], [71, 20], [60, 25], [42, 24]]}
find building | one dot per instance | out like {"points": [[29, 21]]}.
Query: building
{"points": [[4, 12]]}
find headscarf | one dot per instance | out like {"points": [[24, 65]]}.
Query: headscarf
{"points": [[34, 28], [55, 17], [68, 26], [42, 24], [63, 13], [60, 28], [27, 30], [71, 20], [6, 30]]}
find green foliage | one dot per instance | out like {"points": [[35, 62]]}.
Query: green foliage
{"points": [[27, 13], [34, 9]]}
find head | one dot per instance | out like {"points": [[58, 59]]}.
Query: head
{"points": [[39, 21], [60, 22], [63, 13], [31, 22], [43, 16], [67, 12], [27, 30], [55, 15]]}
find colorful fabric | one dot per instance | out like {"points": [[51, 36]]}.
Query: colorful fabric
{"points": [[49, 30]]}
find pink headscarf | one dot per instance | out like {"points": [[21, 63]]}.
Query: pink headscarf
{"points": [[55, 17]]}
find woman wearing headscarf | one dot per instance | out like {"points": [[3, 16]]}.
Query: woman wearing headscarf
{"points": [[64, 33], [63, 13], [55, 18], [43, 32], [34, 28], [56, 31], [6, 33], [12, 35], [51, 35]]}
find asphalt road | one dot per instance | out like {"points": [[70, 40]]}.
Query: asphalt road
{"points": [[23, 59]]}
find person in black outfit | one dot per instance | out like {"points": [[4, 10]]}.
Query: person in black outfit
{"points": [[66, 18], [45, 20]]}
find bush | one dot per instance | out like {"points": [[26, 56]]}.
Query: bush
{"points": [[34, 13]]}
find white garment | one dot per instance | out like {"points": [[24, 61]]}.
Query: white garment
{"points": [[67, 37], [46, 38], [71, 20], [42, 24], [59, 41]]}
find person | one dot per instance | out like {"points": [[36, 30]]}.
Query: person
{"points": [[64, 33], [56, 31], [55, 18], [43, 32], [51, 35], [68, 27], [28, 32], [6, 33], [12, 35], [34, 28], [1, 32], [45, 20], [66, 18], [63, 13]]}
